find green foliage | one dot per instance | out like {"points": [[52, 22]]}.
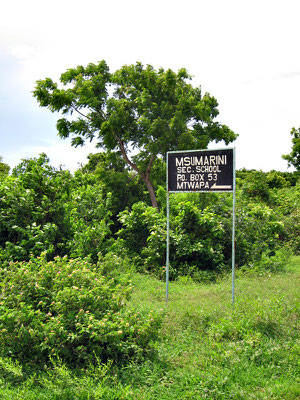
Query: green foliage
{"points": [[258, 231], [267, 265], [109, 170], [60, 382], [89, 218], [293, 158], [48, 211], [200, 235], [137, 225], [195, 239], [66, 308], [207, 349], [32, 215], [256, 186], [134, 107], [4, 168], [276, 179], [214, 351], [288, 201]]}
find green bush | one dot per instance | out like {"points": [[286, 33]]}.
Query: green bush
{"points": [[66, 308], [276, 263], [89, 218], [289, 211], [276, 179], [258, 232], [255, 186], [200, 236], [109, 170], [32, 210], [195, 238], [137, 225], [45, 210], [195, 241]]}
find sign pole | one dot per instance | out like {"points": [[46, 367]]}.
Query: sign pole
{"points": [[168, 245], [168, 239], [233, 230]]}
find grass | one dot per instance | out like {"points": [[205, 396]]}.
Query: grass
{"points": [[207, 348]]}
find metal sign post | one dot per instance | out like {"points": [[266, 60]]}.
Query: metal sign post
{"points": [[233, 230], [168, 246], [201, 171]]}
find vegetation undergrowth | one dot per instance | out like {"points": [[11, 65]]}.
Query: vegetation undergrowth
{"points": [[208, 349], [69, 310]]}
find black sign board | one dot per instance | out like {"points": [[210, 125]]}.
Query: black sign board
{"points": [[201, 171]]}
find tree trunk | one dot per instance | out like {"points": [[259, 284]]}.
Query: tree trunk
{"points": [[151, 191], [145, 176]]}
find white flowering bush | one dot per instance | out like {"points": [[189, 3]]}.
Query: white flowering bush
{"points": [[69, 309]]}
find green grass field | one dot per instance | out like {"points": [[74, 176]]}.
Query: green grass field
{"points": [[207, 348]]}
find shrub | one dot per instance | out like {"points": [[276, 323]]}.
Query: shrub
{"points": [[109, 169], [68, 309], [289, 204], [256, 186], [32, 210], [137, 225], [276, 179], [258, 231], [90, 220], [195, 241], [200, 236], [276, 263], [195, 238]]}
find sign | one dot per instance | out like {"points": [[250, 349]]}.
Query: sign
{"points": [[201, 171]]}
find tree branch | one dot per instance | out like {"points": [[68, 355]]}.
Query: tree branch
{"points": [[151, 161], [87, 116], [125, 156], [79, 112]]}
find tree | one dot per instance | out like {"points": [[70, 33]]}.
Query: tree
{"points": [[135, 110], [110, 170], [4, 168], [293, 158]]}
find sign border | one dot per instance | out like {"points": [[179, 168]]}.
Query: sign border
{"points": [[208, 190]]}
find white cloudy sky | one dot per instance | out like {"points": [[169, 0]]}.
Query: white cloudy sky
{"points": [[243, 52]]}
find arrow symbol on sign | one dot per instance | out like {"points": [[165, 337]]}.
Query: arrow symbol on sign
{"points": [[215, 186]]}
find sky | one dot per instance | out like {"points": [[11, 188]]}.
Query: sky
{"points": [[245, 53]]}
